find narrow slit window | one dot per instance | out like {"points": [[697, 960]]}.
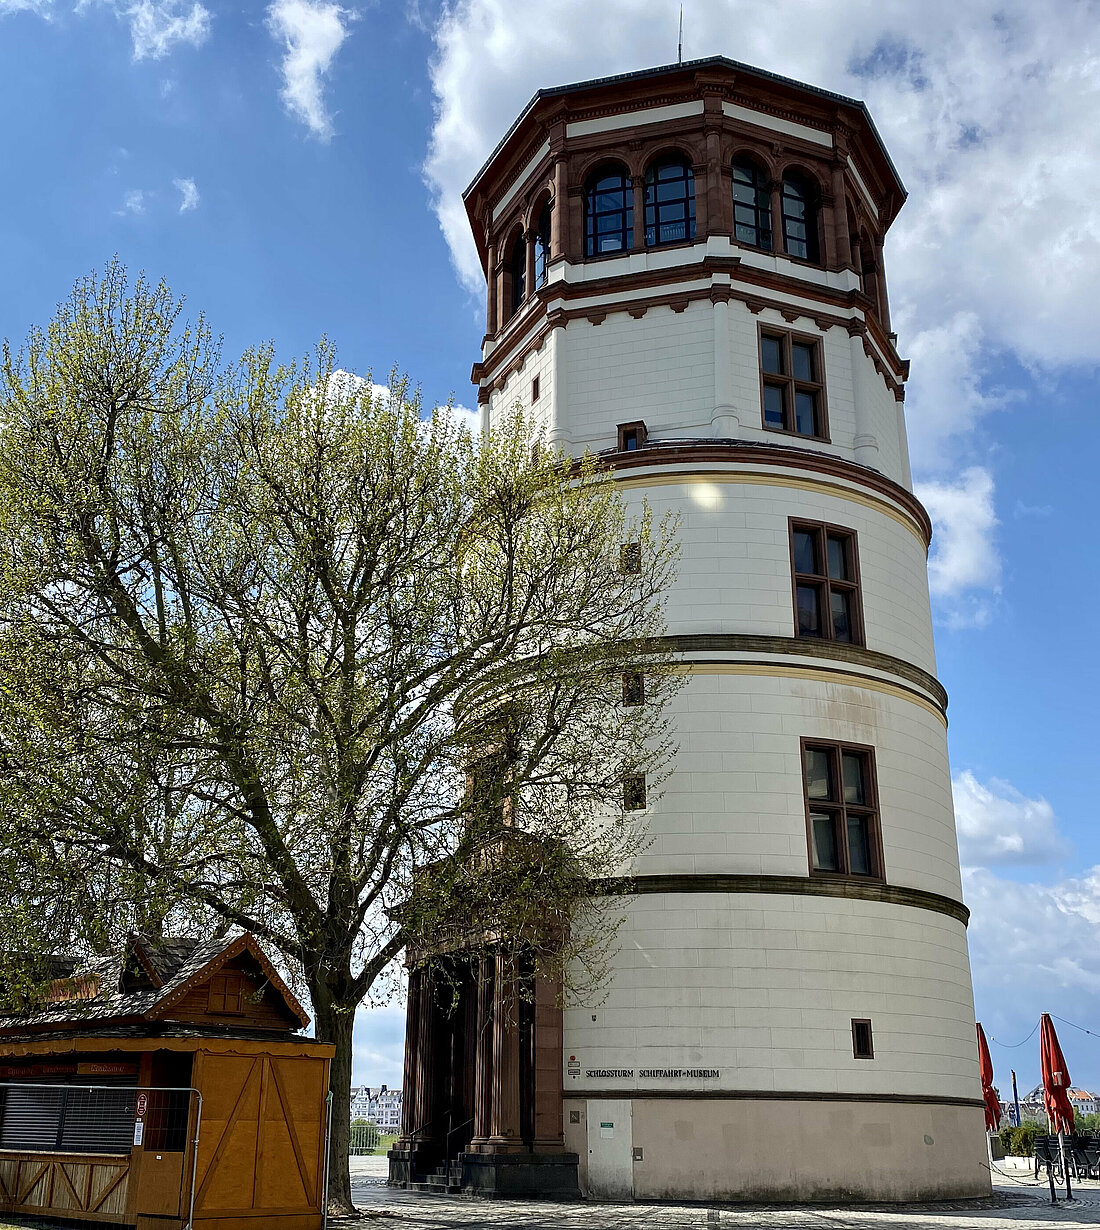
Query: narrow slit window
{"points": [[535, 389], [634, 793], [634, 688], [630, 558], [862, 1042]]}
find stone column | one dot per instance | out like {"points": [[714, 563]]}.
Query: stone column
{"points": [[880, 281], [638, 187], [775, 189], [557, 435], [725, 422], [557, 213], [483, 1075], [529, 254], [866, 441], [549, 1127], [704, 216], [719, 209], [505, 1136], [491, 311], [412, 1060], [424, 1126], [840, 219]]}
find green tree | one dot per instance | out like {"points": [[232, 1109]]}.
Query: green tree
{"points": [[272, 647]]}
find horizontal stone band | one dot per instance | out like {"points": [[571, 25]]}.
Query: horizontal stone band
{"points": [[807, 886], [772, 1095], [837, 651]]}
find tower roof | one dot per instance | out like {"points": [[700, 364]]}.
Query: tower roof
{"points": [[685, 79]]}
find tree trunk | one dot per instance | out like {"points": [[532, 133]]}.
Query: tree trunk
{"points": [[333, 1022]]}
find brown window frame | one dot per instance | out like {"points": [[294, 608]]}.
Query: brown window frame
{"points": [[857, 1053], [625, 430], [854, 586], [630, 559], [633, 688], [634, 792], [790, 385], [535, 390], [840, 808]]}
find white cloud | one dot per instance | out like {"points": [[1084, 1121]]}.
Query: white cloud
{"points": [[964, 564], [998, 825], [312, 33], [43, 8], [189, 194], [133, 202], [157, 26]]}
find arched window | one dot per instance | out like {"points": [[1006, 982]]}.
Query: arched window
{"points": [[517, 264], [799, 218], [669, 202], [752, 207], [542, 245], [608, 212]]}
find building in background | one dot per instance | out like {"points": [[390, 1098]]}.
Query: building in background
{"points": [[685, 276], [380, 1105]]}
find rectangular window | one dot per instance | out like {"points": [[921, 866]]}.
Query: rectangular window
{"points": [[631, 436], [630, 557], [825, 571], [634, 688], [792, 379], [841, 810], [535, 389], [634, 792], [862, 1043]]}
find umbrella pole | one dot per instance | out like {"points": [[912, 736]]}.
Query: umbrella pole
{"points": [[1065, 1163]]}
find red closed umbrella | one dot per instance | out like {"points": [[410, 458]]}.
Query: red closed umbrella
{"points": [[1055, 1078], [989, 1094]]}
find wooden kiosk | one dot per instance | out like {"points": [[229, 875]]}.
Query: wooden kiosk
{"points": [[105, 1086]]}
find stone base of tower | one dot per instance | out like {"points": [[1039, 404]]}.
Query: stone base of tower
{"points": [[789, 1149]]}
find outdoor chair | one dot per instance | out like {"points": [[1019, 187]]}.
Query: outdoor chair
{"points": [[1048, 1156]]}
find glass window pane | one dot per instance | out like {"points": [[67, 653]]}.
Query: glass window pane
{"points": [[805, 414], [771, 355], [610, 243], [744, 192], [838, 558], [773, 405], [840, 605], [808, 603], [853, 777], [818, 774], [802, 360], [824, 841], [859, 846], [805, 555], [671, 191], [747, 234], [796, 247]]}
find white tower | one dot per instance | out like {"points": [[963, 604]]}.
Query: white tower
{"points": [[685, 275]]}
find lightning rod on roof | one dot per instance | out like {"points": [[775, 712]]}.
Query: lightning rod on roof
{"points": [[680, 42]]}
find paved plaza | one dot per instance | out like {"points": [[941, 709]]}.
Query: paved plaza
{"points": [[1018, 1203]]}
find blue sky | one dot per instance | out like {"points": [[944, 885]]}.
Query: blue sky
{"points": [[295, 168]]}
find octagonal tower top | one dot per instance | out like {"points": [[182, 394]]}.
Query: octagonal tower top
{"points": [[771, 164]]}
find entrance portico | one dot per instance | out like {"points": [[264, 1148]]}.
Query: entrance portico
{"points": [[483, 1104]]}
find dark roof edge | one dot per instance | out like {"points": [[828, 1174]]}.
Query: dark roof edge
{"points": [[638, 74]]}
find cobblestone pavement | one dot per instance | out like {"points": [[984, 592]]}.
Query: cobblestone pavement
{"points": [[1017, 1204]]}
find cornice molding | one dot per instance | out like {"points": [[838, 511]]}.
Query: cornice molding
{"points": [[847, 887]]}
